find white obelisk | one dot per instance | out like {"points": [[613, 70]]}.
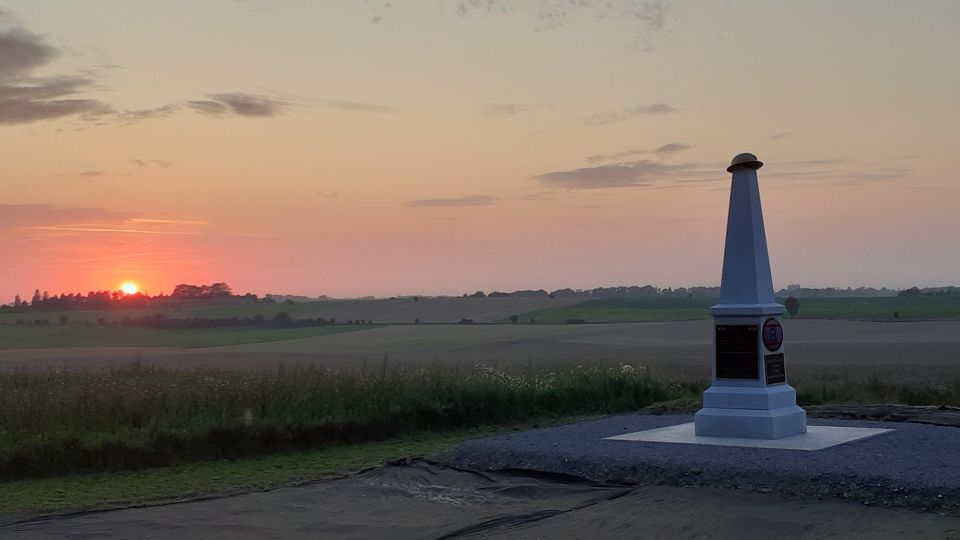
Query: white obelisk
{"points": [[749, 396]]}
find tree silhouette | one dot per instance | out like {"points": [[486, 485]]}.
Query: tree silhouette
{"points": [[793, 306]]}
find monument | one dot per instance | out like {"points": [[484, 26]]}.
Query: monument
{"points": [[749, 403], [749, 396]]}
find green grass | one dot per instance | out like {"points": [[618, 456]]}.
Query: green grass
{"points": [[59, 423], [103, 490], [677, 309], [84, 335], [881, 309]]}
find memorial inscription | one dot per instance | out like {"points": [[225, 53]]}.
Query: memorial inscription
{"points": [[776, 371], [737, 351]]}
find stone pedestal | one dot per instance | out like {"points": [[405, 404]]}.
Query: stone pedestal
{"points": [[749, 396]]}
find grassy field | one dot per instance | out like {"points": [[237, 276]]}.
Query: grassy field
{"points": [[130, 488], [904, 308], [625, 310], [59, 423], [83, 335]]}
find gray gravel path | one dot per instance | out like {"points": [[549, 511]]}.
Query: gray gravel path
{"points": [[914, 466]]}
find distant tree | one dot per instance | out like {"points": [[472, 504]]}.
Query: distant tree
{"points": [[514, 318], [793, 306], [36, 298], [289, 302], [17, 301], [466, 321], [416, 298], [282, 318], [479, 294], [912, 291], [416, 321], [896, 314]]}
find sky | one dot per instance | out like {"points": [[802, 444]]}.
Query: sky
{"points": [[354, 147]]}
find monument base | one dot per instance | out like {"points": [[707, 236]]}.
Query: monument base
{"points": [[751, 423], [750, 412]]}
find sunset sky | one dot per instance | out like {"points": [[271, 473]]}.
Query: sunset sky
{"points": [[398, 147]]}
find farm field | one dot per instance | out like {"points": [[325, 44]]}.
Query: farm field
{"points": [[904, 308], [397, 310], [77, 335], [676, 347]]}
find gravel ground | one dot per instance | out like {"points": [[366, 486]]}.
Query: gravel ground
{"points": [[915, 466]]}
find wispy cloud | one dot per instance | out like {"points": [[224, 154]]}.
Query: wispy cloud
{"points": [[239, 104], [158, 221], [151, 163], [26, 98], [113, 230], [225, 105], [24, 215], [139, 115], [510, 109], [780, 136], [352, 106], [665, 150], [89, 174], [650, 174], [605, 118], [466, 200]]}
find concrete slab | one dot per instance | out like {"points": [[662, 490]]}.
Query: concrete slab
{"points": [[816, 437]]}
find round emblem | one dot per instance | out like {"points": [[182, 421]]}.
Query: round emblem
{"points": [[772, 334]]}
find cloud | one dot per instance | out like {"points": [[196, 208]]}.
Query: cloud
{"points": [[25, 99], [658, 175], [780, 136], [21, 52], [672, 148], [667, 149], [638, 173], [353, 106], [138, 115], [466, 200], [606, 118], [92, 173], [151, 163], [224, 105], [26, 215], [239, 104], [207, 107], [513, 108]]}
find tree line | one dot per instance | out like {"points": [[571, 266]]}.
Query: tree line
{"points": [[44, 301]]}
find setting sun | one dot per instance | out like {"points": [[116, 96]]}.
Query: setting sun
{"points": [[129, 287]]}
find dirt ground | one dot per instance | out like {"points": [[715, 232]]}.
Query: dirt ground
{"points": [[424, 500], [675, 346]]}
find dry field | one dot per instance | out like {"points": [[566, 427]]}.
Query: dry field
{"points": [[681, 348]]}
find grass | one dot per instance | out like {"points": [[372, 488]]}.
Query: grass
{"points": [[61, 423], [82, 335], [143, 435], [881, 309], [201, 309], [104, 490], [907, 308]]}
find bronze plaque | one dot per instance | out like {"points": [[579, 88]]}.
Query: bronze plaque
{"points": [[737, 351], [776, 370]]}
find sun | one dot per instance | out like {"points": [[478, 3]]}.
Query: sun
{"points": [[129, 287]]}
